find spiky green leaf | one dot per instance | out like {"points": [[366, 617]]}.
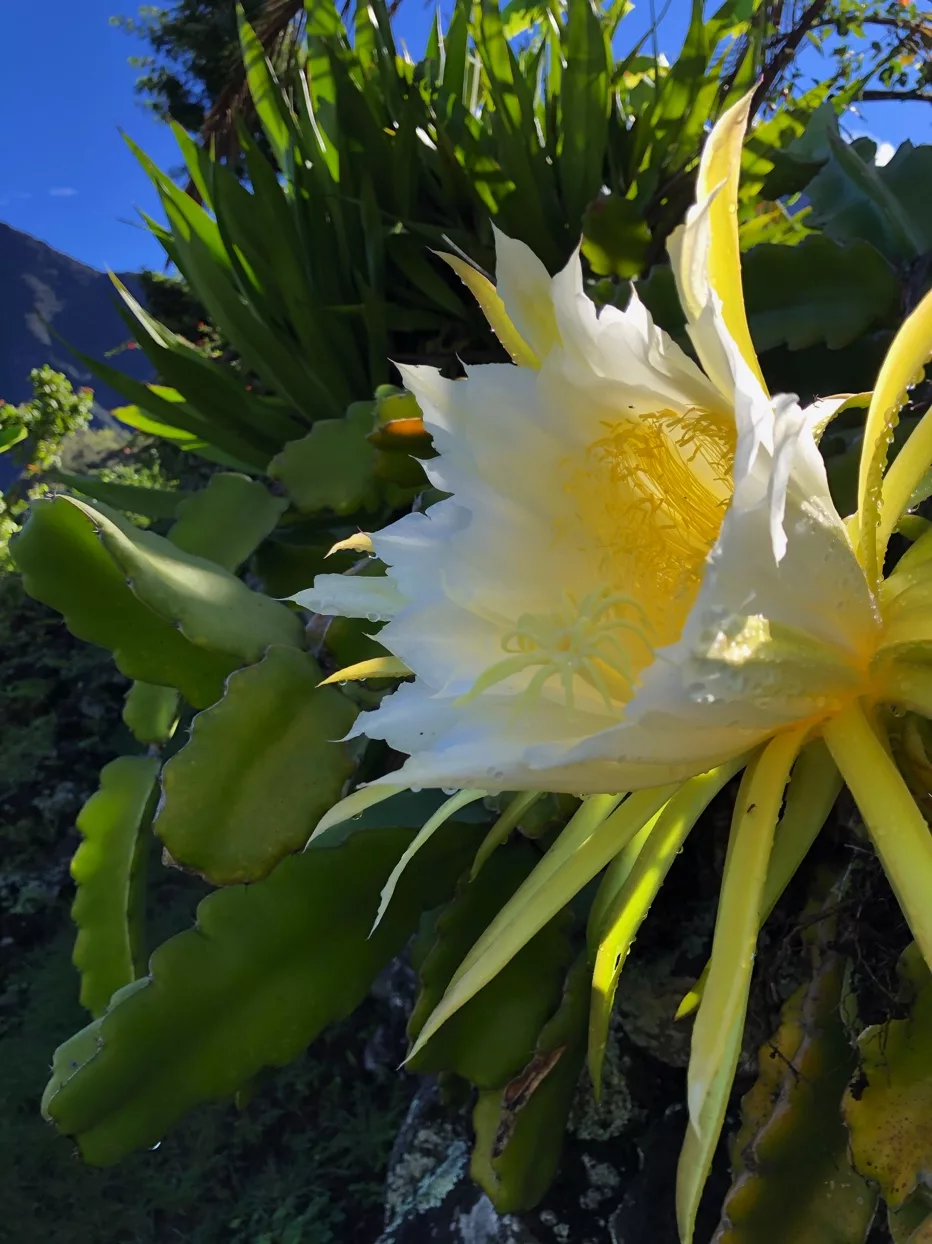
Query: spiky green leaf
{"points": [[520, 1128]]}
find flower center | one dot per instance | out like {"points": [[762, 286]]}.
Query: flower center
{"points": [[591, 639], [651, 495], [647, 502]]}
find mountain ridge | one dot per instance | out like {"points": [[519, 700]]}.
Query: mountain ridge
{"points": [[43, 289]]}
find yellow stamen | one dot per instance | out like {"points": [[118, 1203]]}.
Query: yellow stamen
{"points": [[580, 641]]}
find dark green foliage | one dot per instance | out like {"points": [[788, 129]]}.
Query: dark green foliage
{"points": [[301, 1163], [60, 712], [169, 617], [261, 768], [109, 869], [493, 1036], [265, 969], [194, 51], [519, 1128]]}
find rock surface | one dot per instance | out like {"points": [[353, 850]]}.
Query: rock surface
{"points": [[609, 1187]]}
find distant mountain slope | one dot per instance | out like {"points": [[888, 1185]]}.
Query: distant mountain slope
{"points": [[39, 286]]}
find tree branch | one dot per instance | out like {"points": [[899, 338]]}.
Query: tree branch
{"points": [[787, 51], [896, 23], [873, 96]]}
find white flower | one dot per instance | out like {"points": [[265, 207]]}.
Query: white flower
{"points": [[640, 583], [639, 572]]}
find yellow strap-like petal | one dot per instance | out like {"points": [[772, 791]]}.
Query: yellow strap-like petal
{"points": [[430, 827], [830, 408], [503, 827], [720, 1021], [814, 785], [375, 667], [882, 501], [631, 903], [494, 311], [910, 629], [701, 1142], [897, 828], [593, 836], [354, 805], [613, 882], [358, 542], [720, 169]]}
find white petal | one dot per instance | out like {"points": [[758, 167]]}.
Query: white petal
{"points": [[466, 764], [414, 718], [524, 286], [352, 596], [770, 641]]}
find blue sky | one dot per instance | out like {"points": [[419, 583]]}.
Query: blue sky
{"points": [[66, 175]]}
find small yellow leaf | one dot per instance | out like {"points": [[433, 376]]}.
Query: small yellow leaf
{"points": [[358, 542], [375, 667], [494, 311]]}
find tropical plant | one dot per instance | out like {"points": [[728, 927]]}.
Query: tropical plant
{"points": [[193, 72], [312, 272]]}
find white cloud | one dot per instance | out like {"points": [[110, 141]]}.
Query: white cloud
{"points": [[885, 153], [62, 192]]}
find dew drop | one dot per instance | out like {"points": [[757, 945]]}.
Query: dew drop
{"points": [[372, 617]]}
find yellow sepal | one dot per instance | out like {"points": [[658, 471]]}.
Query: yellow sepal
{"points": [[881, 501], [632, 900], [494, 311], [358, 542], [719, 173], [375, 667], [720, 1021], [595, 834], [898, 829]]}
